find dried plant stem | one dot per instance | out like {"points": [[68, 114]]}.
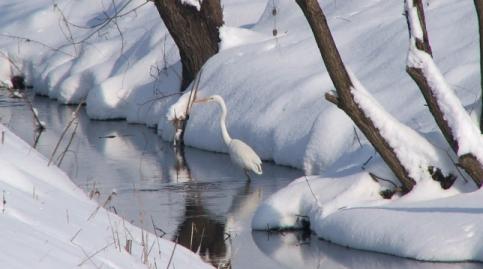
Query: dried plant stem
{"points": [[61, 157], [38, 123], [108, 200], [75, 235], [181, 125], [88, 258], [156, 234], [74, 116], [172, 254], [313, 194]]}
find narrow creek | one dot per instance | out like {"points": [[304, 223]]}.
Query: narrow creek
{"points": [[201, 199]]}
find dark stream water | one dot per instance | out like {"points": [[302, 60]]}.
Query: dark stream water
{"points": [[201, 198]]}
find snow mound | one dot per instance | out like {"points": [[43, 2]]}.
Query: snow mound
{"points": [[314, 196], [427, 224], [48, 222]]}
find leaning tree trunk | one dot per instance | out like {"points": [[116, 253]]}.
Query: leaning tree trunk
{"points": [[468, 161], [195, 32], [345, 99], [479, 13]]}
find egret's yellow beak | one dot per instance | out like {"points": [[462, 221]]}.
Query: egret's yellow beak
{"points": [[204, 100]]}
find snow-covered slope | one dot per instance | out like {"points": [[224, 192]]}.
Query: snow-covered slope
{"points": [[48, 222]]}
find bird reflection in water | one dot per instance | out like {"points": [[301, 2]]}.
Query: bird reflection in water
{"points": [[202, 231]]}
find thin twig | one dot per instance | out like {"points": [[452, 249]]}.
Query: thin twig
{"points": [[28, 40], [156, 234], [313, 194], [61, 157], [38, 133], [194, 91], [74, 116], [108, 200], [160, 97], [172, 253], [75, 235], [193, 227], [377, 178], [103, 24], [11, 61], [180, 124], [94, 254], [357, 136], [39, 125], [457, 167]]}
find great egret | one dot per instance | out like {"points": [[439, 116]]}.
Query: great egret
{"points": [[240, 153]]}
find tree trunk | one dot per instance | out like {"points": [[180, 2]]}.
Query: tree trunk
{"points": [[343, 85], [195, 32], [468, 161], [479, 13]]}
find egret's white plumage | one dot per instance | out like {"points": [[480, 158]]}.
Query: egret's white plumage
{"points": [[240, 153]]}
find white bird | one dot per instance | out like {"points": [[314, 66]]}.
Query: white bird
{"points": [[240, 153]]}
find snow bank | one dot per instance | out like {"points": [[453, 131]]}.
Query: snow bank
{"points": [[448, 229], [48, 222], [426, 225], [313, 196]]}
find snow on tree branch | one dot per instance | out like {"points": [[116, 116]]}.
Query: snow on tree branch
{"points": [[414, 26], [414, 152], [195, 3], [464, 131]]}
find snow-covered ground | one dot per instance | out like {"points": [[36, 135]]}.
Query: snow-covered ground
{"points": [[48, 222], [274, 88]]}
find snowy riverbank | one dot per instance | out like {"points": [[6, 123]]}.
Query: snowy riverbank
{"points": [[48, 222]]}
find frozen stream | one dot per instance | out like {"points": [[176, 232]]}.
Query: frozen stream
{"points": [[202, 199]]}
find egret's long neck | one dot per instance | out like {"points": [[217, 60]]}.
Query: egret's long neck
{"points": [[224, 131]]}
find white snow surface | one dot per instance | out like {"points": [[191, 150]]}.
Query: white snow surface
{"points": [[48, 222], [195, 3], [416, 29], [274, 90]]}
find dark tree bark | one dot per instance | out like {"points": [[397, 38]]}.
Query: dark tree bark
{"points": [[196, 33], [479, 13], [468, 161], [344, 99]]}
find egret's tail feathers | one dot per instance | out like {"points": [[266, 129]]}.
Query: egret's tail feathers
{"points": [[258, 171]]}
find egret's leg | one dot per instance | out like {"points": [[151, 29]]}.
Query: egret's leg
{"points": [[247, 174]]}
